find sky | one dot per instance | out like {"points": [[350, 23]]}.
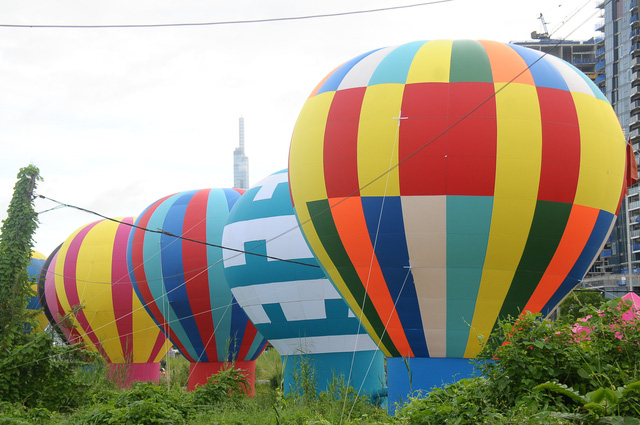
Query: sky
{"points": [[116, 118]]}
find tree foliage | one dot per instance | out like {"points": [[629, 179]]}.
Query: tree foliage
{"points": [[16, 244]]}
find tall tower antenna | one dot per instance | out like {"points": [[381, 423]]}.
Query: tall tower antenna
{"points": [[240, 161]]}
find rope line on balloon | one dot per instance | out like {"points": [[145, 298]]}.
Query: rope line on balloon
{"points": [[236, 22], [370, 270], [164, 232]]}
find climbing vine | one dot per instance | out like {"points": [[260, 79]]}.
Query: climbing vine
{"points": [[16, 244]]}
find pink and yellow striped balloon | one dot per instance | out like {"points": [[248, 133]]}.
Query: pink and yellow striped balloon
{"points": [[90, 270]]}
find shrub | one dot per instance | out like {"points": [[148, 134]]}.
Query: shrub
{"points": [[227, 385]]}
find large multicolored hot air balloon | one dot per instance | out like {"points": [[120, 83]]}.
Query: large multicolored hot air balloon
{"points": [[444, 184], [182, 282], [288, 297], [33, 303], [88, 273]]}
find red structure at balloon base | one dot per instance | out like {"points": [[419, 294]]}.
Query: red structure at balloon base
{"points": [[124, 374], [200, 372]]}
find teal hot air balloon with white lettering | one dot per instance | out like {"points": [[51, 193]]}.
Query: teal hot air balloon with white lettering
{"points": [[292, 303]]}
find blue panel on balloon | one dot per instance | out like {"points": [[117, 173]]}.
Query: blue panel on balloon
{"points": [[418, 374]]}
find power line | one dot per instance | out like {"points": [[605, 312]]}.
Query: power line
{"points": [[236, 22], [164, 232]]}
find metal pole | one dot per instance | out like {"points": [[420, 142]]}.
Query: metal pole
{"points": [[629, 251]]}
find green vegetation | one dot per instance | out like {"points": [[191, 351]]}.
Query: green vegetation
{"points": [[535, 371]]}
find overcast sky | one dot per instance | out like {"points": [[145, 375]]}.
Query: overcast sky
{"points": [[116, 118]]}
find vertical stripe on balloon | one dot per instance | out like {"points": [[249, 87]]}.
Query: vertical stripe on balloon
{"points": [[469, 63], [386, 231], [221, 299], [560, 161], [602, 147], [507, 66], [196, 267], [468, 228], [431, 64], [313, 118], [122, 292], [428, 249], [340, 143], [378, 131]]}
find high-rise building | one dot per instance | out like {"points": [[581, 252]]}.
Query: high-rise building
{"points": [[240, 162], [617, 66]]}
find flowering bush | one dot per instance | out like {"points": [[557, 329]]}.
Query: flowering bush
{"points": [[530, 351]]}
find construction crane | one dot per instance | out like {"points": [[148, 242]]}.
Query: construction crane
{"points": [[544, 35]]}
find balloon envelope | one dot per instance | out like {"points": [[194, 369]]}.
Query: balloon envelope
{"points": [[444, 184], [182, 281], [293, 304], [33, 303], [89, 273]]}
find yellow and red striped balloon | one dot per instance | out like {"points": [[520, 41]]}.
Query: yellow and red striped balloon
{"points": [[444, 184], [90, 270]]}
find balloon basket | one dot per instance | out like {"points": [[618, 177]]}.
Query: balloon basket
{"points": [[199, 373], [124, 374], [407, 376], [366, 369]]}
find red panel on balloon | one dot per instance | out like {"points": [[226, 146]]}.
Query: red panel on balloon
{"points": [[560, 146], [341, 141], [472, 139], [194, 260], [423, 142]]}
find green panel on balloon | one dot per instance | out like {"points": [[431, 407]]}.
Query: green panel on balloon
{"points": [[469, 63], [468, 225], [547, 228]]}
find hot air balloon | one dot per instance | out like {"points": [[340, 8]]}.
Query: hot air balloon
{"points": [[178, 273], [89, 295], [288, 297], [56, 316], [33, 303], [445, 184]]}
